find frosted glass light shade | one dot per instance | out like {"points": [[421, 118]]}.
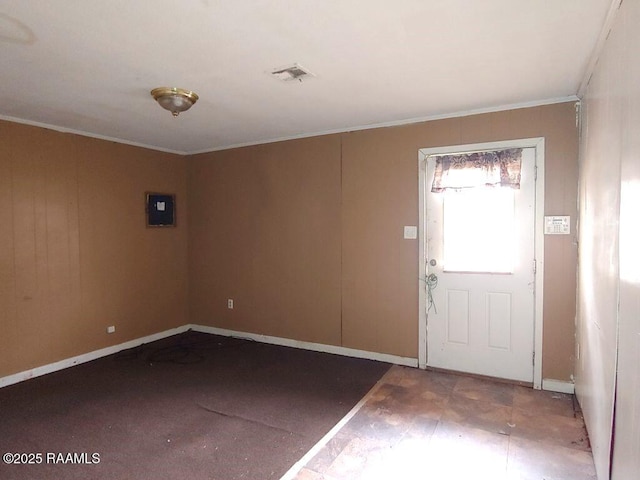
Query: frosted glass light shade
{"points": [[174, 99]]}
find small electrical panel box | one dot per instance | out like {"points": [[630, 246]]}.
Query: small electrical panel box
{"points": [[557, 225], [160, 210]]}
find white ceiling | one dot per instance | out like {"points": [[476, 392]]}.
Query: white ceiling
{"points": [[88, 65]]}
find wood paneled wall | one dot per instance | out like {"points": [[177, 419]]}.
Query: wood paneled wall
{"points": [[306, 235], [75, 255]]}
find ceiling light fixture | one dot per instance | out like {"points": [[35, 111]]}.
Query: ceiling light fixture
{"points": [[174, 99]]}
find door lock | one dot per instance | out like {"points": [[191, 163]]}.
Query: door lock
{"points": [[433, 262]]}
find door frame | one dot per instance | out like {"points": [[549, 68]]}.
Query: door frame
{"points": [[423, 153]]}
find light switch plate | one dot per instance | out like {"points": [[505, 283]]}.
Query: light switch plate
{"points": [[410, 232]]}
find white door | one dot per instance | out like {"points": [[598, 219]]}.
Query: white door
{"points": [[480, 271]]}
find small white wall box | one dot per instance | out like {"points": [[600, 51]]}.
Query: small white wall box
{"points": [[161, 209], [557, 225], [410, 232]]}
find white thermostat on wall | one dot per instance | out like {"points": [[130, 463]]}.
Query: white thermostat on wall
{"points": [[557, 225]]}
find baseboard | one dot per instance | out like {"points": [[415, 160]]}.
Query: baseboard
{"points": [[285, 342], [317, 347], [547, 384], [558, 386], [87, 357]]}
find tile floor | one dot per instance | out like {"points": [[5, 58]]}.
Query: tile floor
{"points": [[430, 425]]}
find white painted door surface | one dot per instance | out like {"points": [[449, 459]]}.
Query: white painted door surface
{"points": [[480, 252]]}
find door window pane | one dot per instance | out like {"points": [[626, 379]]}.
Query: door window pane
{"points": [[479, 233]]}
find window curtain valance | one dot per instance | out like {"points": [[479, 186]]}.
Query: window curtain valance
{"points": [[500, 168]]}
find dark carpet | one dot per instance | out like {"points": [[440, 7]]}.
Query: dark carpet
{"points": [[193, 406]]}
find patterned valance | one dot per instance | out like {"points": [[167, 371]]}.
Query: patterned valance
{"points": [[500, 168]]}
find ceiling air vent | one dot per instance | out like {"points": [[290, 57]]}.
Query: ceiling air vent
{"points": [[292, 72]]}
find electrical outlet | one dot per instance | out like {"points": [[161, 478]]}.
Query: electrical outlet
{"points": [[111, 329], [230, 303]]}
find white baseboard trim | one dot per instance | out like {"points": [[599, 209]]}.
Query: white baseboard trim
{"points": [[558, 386], [87, 357], [317, 347], [285, 342], [547, 384]]}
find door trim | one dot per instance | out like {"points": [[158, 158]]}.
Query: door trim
{"points": [[423, 153]]}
